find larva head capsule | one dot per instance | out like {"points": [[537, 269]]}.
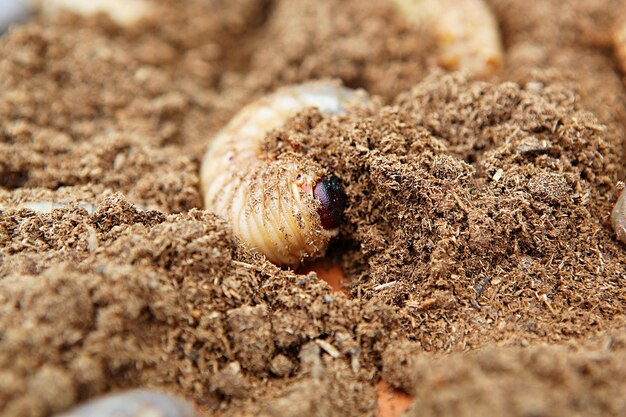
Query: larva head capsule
{"points": [[332, 201]]}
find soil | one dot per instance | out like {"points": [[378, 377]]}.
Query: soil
{"points": [[482, 276]]}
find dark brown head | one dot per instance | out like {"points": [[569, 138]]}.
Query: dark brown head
{"points": [[332, 201]]}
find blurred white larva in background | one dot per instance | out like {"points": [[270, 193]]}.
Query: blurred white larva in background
{"points": [[466, 31]]}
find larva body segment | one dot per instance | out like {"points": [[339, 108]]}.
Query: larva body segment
{"points": [[466, 30], [274, 206], [618, 217]]}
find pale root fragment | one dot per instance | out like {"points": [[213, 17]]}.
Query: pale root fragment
{"points": [[270, 203], [467, 32], [123, 12]]}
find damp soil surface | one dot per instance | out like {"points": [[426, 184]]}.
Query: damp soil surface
{"points": [[482, 276]]}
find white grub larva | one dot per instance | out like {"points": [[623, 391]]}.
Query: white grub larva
{"points": [[286, 209], [467, 32], [134, 403], [618, 217]]}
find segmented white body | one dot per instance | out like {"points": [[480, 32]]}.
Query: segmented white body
{"points": [[270, 203], [467, 32]]}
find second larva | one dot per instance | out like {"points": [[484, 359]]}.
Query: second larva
{"points": [[466, 30], [287, 210]]}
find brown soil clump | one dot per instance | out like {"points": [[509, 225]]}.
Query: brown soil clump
{"points": [[468, 200], [586, 380], [481, 267], [171, 302]]}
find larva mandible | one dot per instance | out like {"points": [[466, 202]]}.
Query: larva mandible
{"points": [[288, 209], [467, 32]]}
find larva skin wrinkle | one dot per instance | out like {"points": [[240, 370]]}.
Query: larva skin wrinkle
{"points": [[288, 209]]}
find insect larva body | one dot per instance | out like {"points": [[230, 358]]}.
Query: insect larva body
{"points": [[134, 403], [618, 217], [287, 209], [466, 30]]}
